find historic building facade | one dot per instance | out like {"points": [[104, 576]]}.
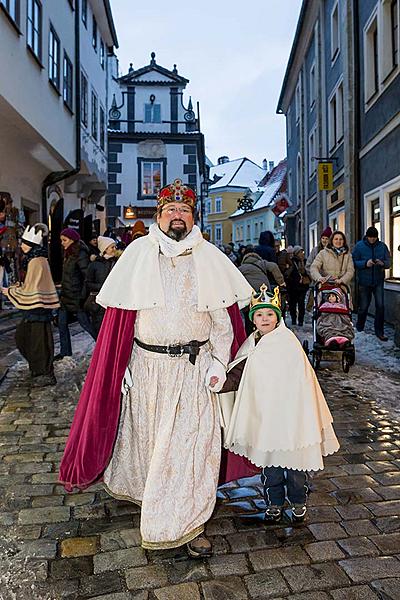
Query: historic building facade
{"points": [[340, 96], [53, 107], [230, 181], [154, 137]]}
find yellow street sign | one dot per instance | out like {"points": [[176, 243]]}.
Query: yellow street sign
{"points": [[325, 176]]}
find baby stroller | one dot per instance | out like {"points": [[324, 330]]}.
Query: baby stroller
{"points": [[321, 291]]}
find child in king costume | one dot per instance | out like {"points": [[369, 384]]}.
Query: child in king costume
{"points": [[280, 420]]}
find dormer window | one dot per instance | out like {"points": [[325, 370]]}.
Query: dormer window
{"points": [[152, 113]]}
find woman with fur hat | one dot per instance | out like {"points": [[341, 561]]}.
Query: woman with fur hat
{"points": [[281, 424], [97, 273], [37, 298], [76, 262]]}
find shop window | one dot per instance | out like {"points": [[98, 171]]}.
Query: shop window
{"points": [[395, 233], [376, 215]]}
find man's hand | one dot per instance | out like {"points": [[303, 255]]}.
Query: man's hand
{"points": [[379, 262], [213, 381], [370, 263], [4, 290]]}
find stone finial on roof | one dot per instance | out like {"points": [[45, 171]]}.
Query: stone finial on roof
{"points": [[153, 58], [190, 105], [175, 70], [131, 69]]}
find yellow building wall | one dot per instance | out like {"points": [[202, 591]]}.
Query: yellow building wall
{"points": [[229, 205]]}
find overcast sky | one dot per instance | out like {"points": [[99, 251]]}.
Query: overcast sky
{"points": [[233, 52]]}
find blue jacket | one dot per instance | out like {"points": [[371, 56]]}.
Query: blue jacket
{"points": [[364, 251]]}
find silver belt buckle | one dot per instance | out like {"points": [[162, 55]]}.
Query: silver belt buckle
{"points": [[174, 354]]}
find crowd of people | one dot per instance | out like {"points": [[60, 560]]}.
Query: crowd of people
{"points": [[178, 372]]}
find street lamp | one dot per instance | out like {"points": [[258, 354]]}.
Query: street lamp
{"points": [[203, 194]]}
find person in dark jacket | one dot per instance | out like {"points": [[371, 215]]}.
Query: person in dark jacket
{"points": [[297, 281], [371, 257], [266, 246], [76, 262], [97, 273], [93, 248]]}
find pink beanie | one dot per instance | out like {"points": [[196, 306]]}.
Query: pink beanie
{"points": [[70, 233]]}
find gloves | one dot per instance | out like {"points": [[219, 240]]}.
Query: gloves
{"points": [[216, 369]]}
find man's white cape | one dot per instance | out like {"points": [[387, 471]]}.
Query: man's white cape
{"points": [[280, 416], [135, 281]]}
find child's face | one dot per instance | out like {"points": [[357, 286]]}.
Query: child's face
{"points": [[265, 320], [332, 298]]}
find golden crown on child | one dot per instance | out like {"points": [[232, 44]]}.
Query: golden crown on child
{"points": [[265, 297]]}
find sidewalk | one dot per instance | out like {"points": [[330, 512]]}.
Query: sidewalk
{"points": [[57, 546]]}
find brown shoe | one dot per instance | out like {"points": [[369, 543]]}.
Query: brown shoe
{"points": [[199, 547]]}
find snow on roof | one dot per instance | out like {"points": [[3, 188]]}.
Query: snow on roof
{"points": [[273, 184], [241, 172]]}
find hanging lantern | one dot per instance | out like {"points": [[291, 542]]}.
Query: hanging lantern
{"points": [[129, 212]]}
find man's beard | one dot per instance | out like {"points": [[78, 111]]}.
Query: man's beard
{"points": [[177, 234]]}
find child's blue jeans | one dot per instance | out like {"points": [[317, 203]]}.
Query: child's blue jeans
{"points": [[274, 480]]}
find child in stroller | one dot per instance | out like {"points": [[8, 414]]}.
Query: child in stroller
{"points": [[334, 325]]}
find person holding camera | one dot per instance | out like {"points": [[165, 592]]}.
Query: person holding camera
{"points": [[371, 258]]}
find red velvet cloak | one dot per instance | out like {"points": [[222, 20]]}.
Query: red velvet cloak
{"points": [[94, 428]]}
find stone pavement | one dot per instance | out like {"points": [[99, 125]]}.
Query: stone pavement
{"points": [[57, 546]]}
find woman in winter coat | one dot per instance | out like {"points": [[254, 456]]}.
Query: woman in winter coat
{"points": [[97, 273], [334, 263], [258, 271], [297, 281], [76, 262]]}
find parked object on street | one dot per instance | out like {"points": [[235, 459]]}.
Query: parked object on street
{"points": [[73, 294], [37, 297], [334, 264], [97, 273], [171, 319], [371, 258], [332, 328], [279, 422]]}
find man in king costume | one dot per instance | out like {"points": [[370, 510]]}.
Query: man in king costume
{"points": [[176, 298]]}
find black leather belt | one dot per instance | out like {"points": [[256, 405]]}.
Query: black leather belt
{"points": [[175, 350]]}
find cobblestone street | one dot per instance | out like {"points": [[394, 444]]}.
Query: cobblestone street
{"points": [[87, 545]]}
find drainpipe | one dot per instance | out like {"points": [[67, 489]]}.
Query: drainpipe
{"points": [[358, 204], [57, 176]]}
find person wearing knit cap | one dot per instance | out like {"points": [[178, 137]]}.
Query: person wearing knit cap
{"points": [[75, 265], [279, 423], [97, 273], [371, 258], [323, 242], [36, 297]]}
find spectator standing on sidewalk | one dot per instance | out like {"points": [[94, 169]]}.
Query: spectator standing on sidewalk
{"points": [[97, 273], [371, 258], [76, 262], [266, 246], [37, 298], [297, 281], [334, 263], [323, 242]]}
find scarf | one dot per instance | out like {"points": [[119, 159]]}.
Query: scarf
{"points": [[339, 251], [35, 252], [171, 248]]}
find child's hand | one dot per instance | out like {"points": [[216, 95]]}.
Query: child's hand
{"points": [[213, 381]]}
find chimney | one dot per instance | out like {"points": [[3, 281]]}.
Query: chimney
{"points": [[223, 159], [271, 165], [265, 164]]}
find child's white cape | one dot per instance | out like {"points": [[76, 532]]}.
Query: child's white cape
{"points": [[280, 416]]}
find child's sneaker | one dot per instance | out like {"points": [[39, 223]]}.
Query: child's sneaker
{"points": [[299, 512], [273, 514]]}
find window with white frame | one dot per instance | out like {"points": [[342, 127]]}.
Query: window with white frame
{"points": [[312, 236], [336, 117], [395, 233], [218, 204], [208, 206], [34, 27], [54, 58], [298, 100], [95, 109], [218, 233], [84, 12], [371, 59], [256, 230], [248, 232], [312, 152], [102, 54], [312, 86], [84, 100], [335, 32], [375, 215], [389, 46], [237, 230], [152, 113], [12, 7], [67, 82], [299, 179], [102, 128], [151, 178], [94, 33], [289, 125]]}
